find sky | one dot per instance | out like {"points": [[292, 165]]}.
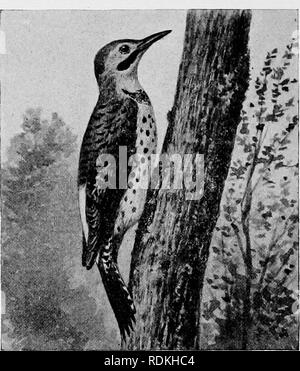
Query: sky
{"points": [[49, 59]]}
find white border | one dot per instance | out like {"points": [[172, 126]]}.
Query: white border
{"points": [[148, 4]]}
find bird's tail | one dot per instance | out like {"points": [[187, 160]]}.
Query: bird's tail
{"points": [[117, 292]]}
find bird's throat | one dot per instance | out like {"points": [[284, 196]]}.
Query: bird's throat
{"points": [[112, 85], [128, 83]]}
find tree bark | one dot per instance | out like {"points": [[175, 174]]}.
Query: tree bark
{"points": [[173, 237]]}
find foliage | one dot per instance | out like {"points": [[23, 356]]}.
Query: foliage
{"points": [[41, 239], [252, 278]]}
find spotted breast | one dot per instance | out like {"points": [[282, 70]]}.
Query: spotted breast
{"points": [[132, 203]]}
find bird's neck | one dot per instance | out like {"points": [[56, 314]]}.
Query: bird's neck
{"points": [[110, 86], [129, 83]]}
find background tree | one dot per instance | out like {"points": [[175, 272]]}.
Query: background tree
{"points": [[174, 234], [47, 307], [252, 277]]}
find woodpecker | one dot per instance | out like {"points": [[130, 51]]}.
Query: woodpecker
{"points": [[123, 117]]}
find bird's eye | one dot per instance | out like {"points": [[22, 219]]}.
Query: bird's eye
{"points": [[124, 49]]}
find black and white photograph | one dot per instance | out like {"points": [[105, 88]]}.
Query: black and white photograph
{"points": [[149, 178]]}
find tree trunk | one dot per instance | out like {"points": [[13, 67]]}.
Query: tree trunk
{"points": [[173, 238]]}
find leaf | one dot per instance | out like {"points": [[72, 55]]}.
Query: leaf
{"points": [[226, 298], [225, 234], [232, 269], [268, 149], [279, 165], [284, 82], [285, 202], [260, 127], [260, 206], [227, 280], [244, 129], [290, 128], [284, 258], [261, 235], [226, 228], [294, 218], [267, 215], [267, 70], [290, 102], [279, 157], [215, 250]]}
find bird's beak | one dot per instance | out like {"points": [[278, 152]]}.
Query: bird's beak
{"points": [[149, 40], [141, 47]]}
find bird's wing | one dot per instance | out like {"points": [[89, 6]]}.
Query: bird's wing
{"points": [[111, 125]]}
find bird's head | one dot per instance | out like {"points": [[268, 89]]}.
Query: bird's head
{"points": [[121, 57]]}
